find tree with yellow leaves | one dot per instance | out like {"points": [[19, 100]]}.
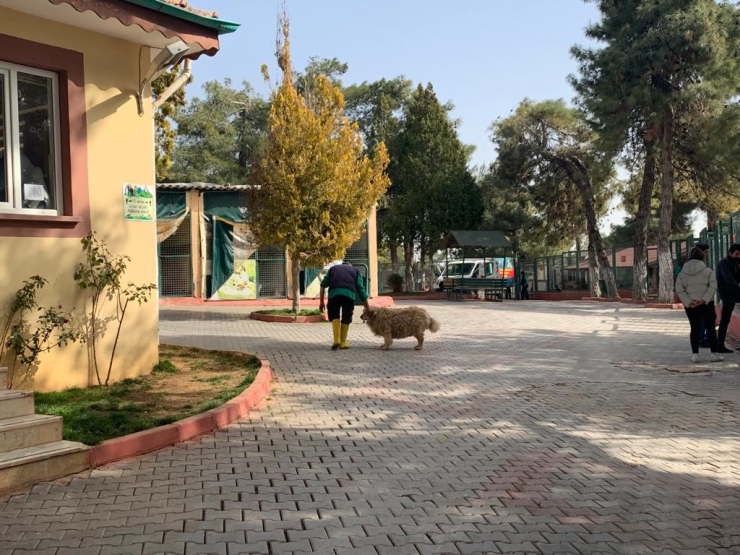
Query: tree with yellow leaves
{"points": [[316, 187]]}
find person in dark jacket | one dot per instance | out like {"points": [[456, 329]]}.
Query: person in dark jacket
{"points": [[345, 286], [524, 283], [728, 275]]}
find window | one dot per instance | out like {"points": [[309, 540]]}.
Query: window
{"points": [[30, 176], [43, 117]]}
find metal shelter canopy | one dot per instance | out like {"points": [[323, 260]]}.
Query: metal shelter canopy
{"points": [[476, 239]]}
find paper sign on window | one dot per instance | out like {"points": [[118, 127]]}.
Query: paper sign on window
{"points": [[34, 192]]}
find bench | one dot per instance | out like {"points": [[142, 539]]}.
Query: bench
{"points": [[448, 286], [493, 288]]}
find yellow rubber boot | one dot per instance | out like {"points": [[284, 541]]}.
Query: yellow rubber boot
{"points": [[335, 329], [343, 337]]}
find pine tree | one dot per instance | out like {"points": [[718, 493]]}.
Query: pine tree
{"points": [[663, 65]]}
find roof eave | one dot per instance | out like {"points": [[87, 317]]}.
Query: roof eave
{"points": [[221, 26]]}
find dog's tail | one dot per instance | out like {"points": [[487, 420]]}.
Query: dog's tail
{"points": [[433, 325]]}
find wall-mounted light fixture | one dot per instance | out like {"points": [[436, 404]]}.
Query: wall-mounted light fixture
{"points": [[169, 56]]}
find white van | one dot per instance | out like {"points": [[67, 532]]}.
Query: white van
{"points": [[469, 268]]}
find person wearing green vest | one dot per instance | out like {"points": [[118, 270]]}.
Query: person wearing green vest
{"points": [[345, 286]]}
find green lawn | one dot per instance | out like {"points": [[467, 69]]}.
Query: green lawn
{"points": [[195, 382]]}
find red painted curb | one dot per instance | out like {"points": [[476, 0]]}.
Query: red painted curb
{"points": [[670, 306], [147, 441]]}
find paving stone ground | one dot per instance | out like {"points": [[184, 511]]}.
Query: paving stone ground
{"points": [[522, 427]]}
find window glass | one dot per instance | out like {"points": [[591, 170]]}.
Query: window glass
{"points": [[36, 134], [4, 162], [456, 268]]}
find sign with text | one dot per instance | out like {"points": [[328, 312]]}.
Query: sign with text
{"points": [[139, 203]]}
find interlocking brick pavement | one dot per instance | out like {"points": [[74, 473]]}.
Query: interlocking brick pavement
{"points": [[522, 427]]}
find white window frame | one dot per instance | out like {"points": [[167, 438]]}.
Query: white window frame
{"points": [[12, 142]]}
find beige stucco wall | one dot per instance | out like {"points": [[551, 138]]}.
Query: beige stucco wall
{"points": [[120, 150], [372, 247]]}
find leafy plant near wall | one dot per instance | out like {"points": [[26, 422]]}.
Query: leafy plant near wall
{"points": [[53, 328], [102, 274]]}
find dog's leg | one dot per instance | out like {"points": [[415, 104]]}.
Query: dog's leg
{"points": [[420, 339], [388, 342]]}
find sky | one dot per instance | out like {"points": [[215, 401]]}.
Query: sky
{"points": [[483, 56]]}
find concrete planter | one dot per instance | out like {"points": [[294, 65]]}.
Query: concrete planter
{"points": [[288, 319], [120, 448]]}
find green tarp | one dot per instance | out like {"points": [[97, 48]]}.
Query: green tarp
{"points": [[170, 205], [229, 206], [219, 206], [223, 253]]}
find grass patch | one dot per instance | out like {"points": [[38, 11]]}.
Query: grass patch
{"points": [[185, 382], [288, 312]]}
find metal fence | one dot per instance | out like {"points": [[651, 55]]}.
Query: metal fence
{"points": [[175, 263], [568, 271], [271, 278], [422, 281]]}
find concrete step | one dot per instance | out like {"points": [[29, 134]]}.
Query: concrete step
{"points": [[16, 403], [21, 468], [3, 377], [30, 430]]}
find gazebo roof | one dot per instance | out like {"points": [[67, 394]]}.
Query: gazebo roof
{"points": [[480, 239]]}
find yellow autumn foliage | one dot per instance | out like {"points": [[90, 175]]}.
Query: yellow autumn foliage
{"points": [[316, 185]]}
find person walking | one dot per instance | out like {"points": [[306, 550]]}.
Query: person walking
{"points": [[695, 287], [345, 286], [728, 275]]}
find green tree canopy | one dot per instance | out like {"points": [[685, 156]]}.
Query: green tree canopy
{"points": [[550, 153], [220, 136], [664, 70], [432, 190]]}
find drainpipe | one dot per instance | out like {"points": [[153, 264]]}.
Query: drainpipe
{"points": [[181, 80]]}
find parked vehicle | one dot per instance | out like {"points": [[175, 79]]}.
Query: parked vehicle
{"points": [[470, 267], [475, 267]]}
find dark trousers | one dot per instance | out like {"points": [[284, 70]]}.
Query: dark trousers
{"points": [[703, 313], [340, 303], [525, 292], [508, 292], [724, 323]]}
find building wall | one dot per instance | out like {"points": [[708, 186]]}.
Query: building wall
{"points": [[120, 146]]}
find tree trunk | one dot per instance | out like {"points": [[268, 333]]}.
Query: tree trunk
{"points": [[640, 266], [579, 176], [408, 259], [393, 247], [422, 266], [712, 217], [593, 271], [665, 261], [295, 268], [432, 274]]}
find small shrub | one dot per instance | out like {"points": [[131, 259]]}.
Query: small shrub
{"points": [[395, 282], [164, 367]]}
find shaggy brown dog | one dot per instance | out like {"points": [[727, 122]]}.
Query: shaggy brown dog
{"points": [[397, 323]]}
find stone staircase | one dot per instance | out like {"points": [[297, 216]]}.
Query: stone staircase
{"points": [[31, 445]]}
